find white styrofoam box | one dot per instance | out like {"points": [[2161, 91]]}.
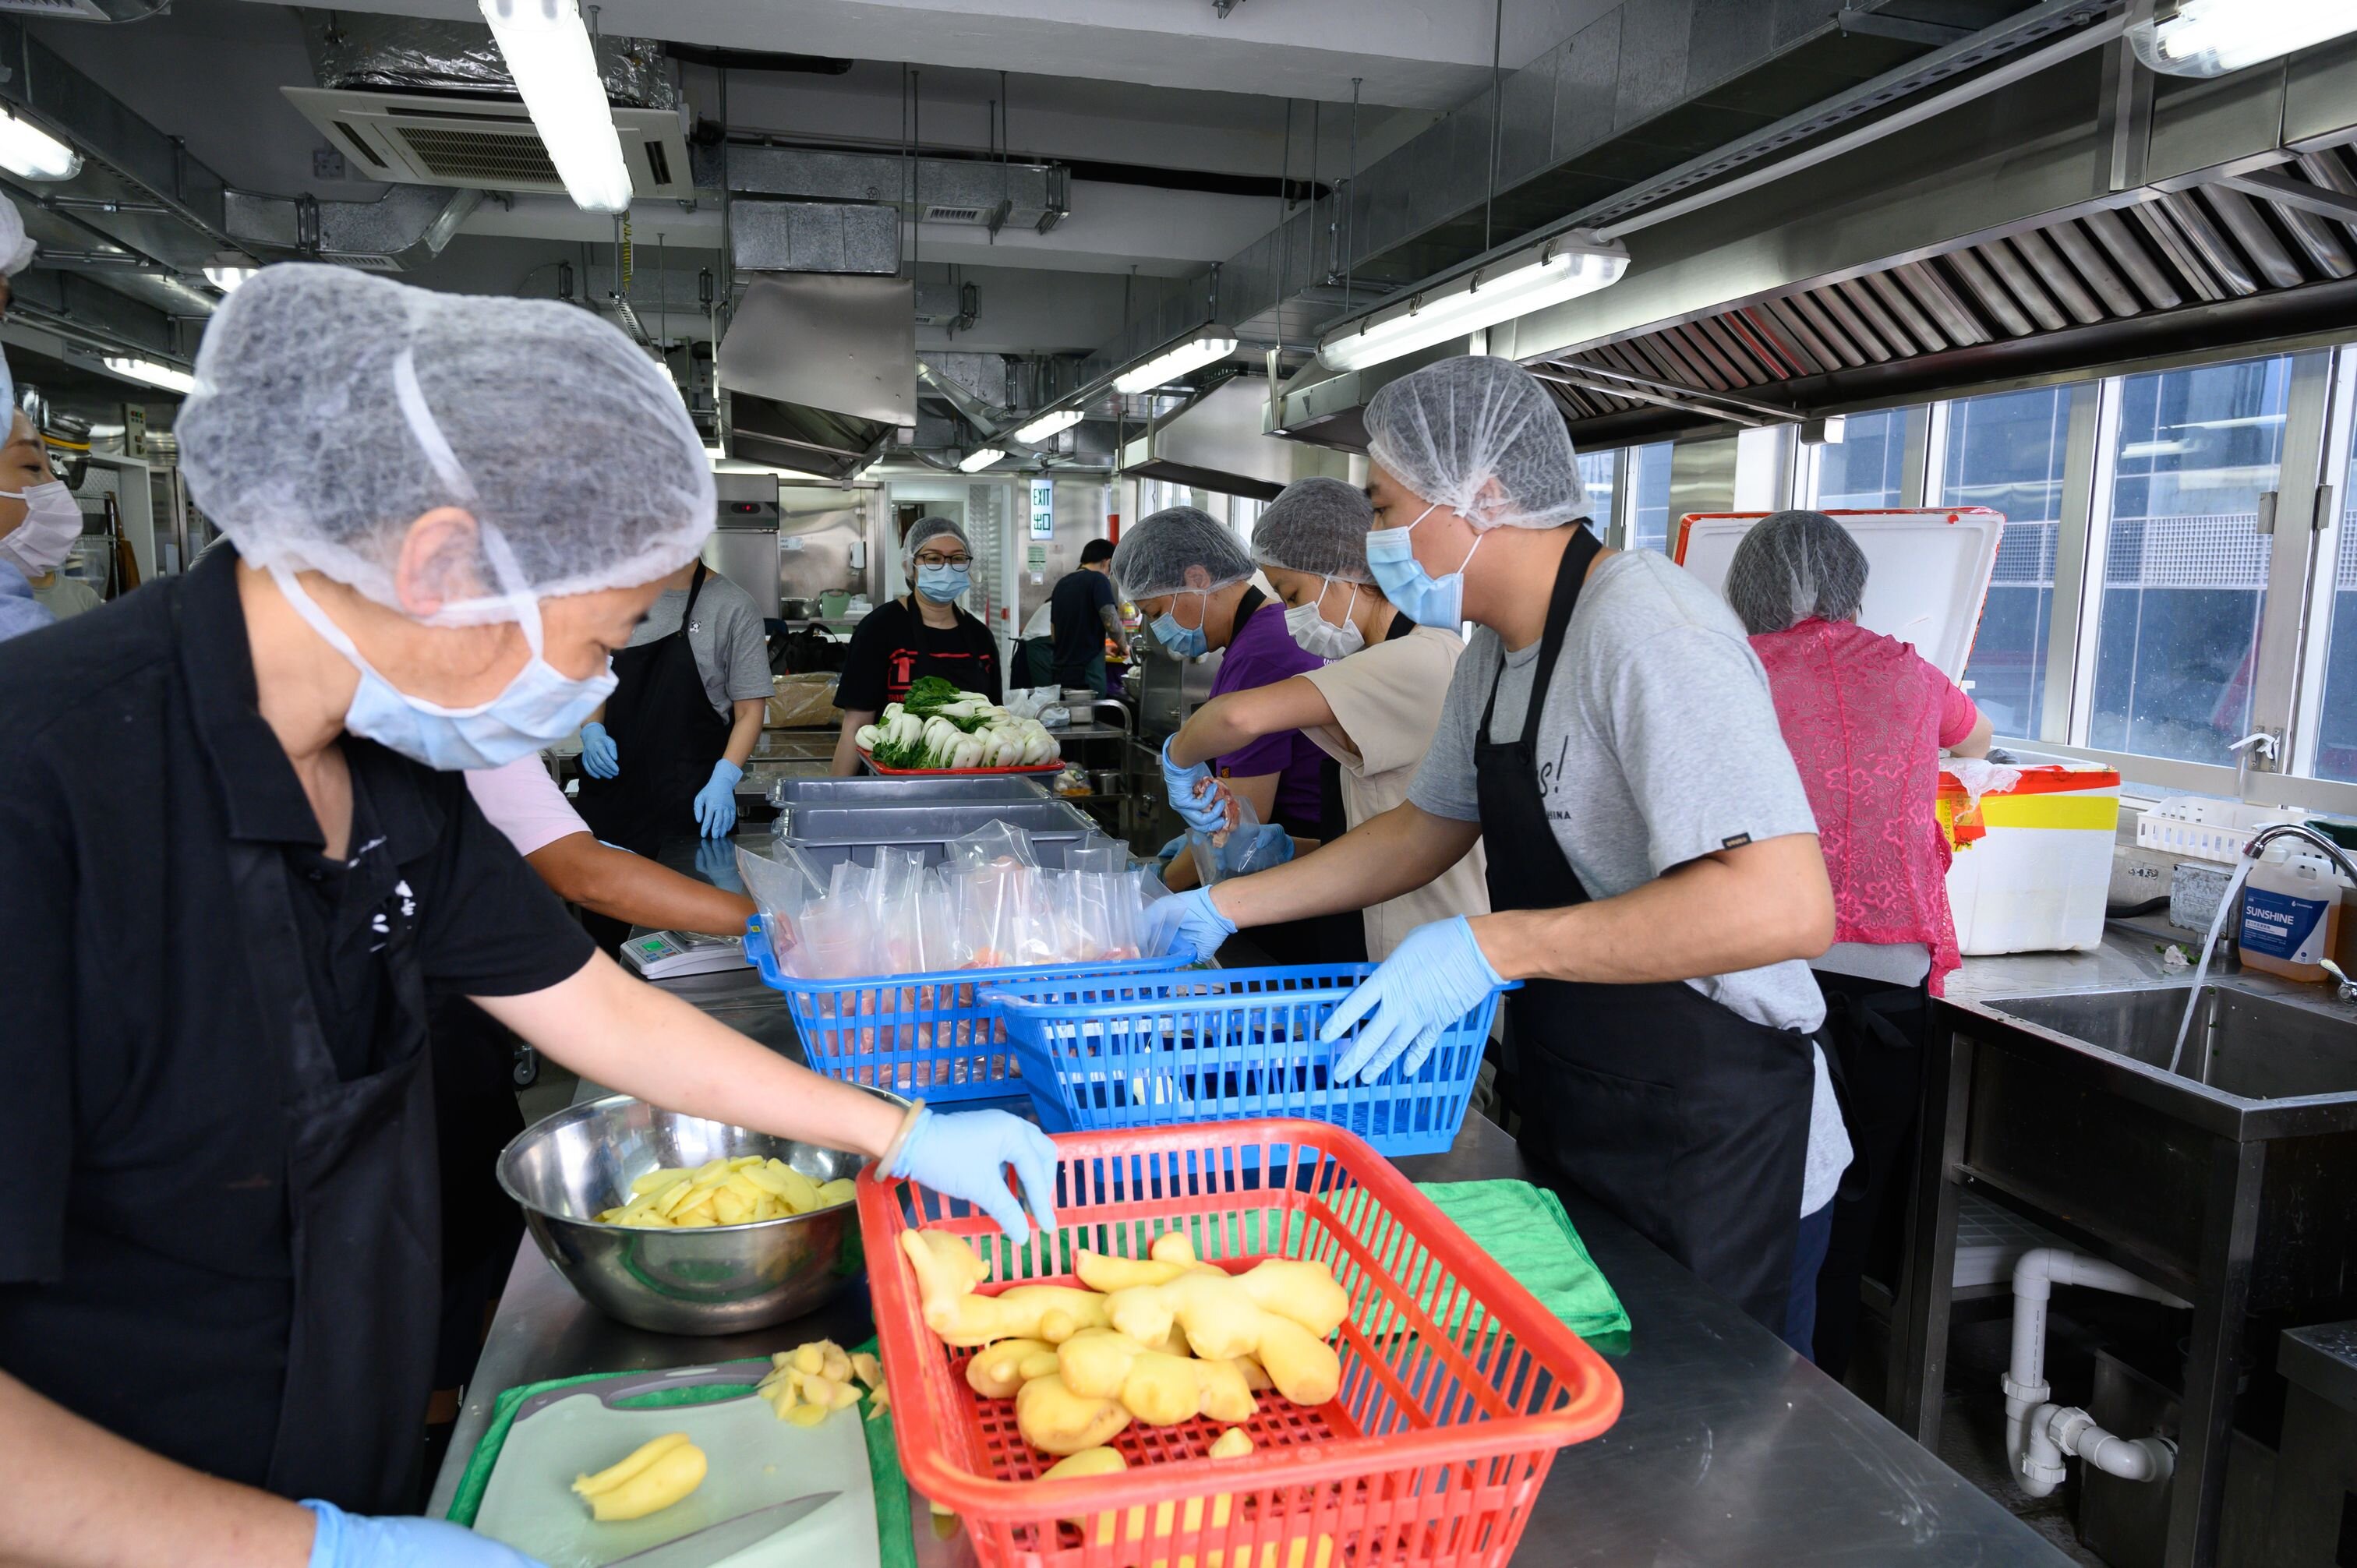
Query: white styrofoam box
{"points": [[2139, 876], [2037, 875], [1927, 570], [2187, 827]]}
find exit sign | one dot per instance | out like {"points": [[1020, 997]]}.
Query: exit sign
{"points": [[1043, 509]]}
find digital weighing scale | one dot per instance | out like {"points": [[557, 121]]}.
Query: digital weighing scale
{"points": [[667, 955]]}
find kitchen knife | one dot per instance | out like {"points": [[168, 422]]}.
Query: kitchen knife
{"points": [[714, 1542]]}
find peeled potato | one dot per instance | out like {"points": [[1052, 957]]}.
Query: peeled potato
{"points": [[743, 1191]]}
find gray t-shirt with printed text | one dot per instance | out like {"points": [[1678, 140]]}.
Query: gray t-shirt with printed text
{"points": [[1658, 744]]}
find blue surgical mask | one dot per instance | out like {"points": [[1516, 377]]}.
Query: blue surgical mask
{"points": [[1184, 641], [1413, 592], [538, 708], [942, 584]]}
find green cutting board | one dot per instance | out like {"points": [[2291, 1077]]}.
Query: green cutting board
{"points": [[754, 1460]]}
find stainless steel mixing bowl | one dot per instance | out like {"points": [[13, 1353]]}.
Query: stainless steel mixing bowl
{"points": [[722, 1279]]}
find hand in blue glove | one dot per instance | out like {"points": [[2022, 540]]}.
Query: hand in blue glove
{"points": [[1433, 978], [715, 861], [1267, 847], [1173, 850], [715, 803], [600, 758], [1188, 923], [341, 1540], [966, 1155], [1207, 812]]}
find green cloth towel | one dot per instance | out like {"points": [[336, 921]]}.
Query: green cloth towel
{"points": [[897, 1545], [1526, 1231]]}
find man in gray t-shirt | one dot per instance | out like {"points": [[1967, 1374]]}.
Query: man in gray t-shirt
{"points": [[731, 648], [1654, 867]]}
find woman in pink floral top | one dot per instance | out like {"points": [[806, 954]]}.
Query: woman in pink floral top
{"points": [[1866, 718]]}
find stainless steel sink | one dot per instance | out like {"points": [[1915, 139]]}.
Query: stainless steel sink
{"points": [[2230, 1181], [2252, 1047]]}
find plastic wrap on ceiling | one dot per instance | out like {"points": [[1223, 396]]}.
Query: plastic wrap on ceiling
{"points": [[409, 54], [2167, 251]]}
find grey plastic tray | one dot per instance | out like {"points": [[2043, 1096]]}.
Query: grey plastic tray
{"points": [[830, 833], [788, 793]]}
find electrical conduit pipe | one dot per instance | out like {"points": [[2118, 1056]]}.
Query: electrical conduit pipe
{"points": [[2038, 1436]]}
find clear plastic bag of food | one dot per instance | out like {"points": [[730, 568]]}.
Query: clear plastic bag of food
{"points": [[784, 886], [1242, 847], [989, 844]]}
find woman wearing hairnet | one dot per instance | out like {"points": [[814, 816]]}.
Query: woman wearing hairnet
{"points": [[1866, 718], [923, 632], [236, 857], [1653, 863], [1190, 578], [1371, 706]]}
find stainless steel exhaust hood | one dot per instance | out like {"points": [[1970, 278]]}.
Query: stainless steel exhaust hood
{"points": [[820, 369]]}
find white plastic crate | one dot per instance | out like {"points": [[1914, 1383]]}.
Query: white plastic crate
{"points": [[2195, 829]]}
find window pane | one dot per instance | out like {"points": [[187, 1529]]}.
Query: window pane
{"points": [[2185, 571], [1863, 472], [1596, 476], [1649, 511], [2006, 453], [2336, 735]]}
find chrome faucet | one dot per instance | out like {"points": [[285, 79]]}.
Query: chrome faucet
{"points": [[2332, 851]]}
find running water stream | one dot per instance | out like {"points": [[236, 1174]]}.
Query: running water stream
{"points": [[2209, 944]]}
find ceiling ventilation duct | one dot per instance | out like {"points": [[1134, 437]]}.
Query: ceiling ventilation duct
{"points": [[820, 370], [815, 237], [1214, 442], [424, 103], [974, 192], [86, 10]]}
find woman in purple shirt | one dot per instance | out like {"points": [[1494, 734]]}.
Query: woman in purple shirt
{"points": [[1190, 577]]}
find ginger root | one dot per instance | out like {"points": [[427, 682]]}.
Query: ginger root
{"points": [[1228, 1315], [948, 1271], [1157, 1389], [998, 1370], [1233, 1444], [1055, 1420], [1171, 1255], [655, 1474]]}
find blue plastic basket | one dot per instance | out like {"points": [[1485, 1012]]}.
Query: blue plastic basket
{"points": [[926, 1035], [1222, 1046]]}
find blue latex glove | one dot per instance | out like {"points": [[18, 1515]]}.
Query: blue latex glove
{"points": [[1267, 847], [966, 1155], [1188, 923], [1207, 812], [715, 861], [1433, 978], [715, 803], [600, 758], [343, 1540], [1173, 850]]}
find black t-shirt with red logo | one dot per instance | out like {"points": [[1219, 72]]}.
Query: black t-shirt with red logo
{"points": [[892, 648]]}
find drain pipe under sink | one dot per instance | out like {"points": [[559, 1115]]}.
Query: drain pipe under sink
{"points": [[2037, 1434]]}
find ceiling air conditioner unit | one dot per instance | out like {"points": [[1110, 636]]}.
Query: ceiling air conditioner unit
{"points": [[481, 143]]}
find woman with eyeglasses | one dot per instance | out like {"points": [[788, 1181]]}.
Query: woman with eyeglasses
{"points": [[923, 632]]}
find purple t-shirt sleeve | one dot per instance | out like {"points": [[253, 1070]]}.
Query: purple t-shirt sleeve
{"points": [[1262, 654]]}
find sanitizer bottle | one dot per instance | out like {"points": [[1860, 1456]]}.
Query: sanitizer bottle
{"points": [[2291, 914]]}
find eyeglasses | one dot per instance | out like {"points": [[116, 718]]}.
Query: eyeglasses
{"points": [[955, 560]]}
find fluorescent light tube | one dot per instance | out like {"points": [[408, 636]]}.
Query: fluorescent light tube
{"points": [[227, 278], [1207, 346], [1561, 269], [154, 374], [2212, 38], [979, 458], [31, 152], [547, 51], [1051, 424]]}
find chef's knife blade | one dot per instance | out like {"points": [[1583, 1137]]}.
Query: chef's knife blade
{"points": [[714, 1542]]}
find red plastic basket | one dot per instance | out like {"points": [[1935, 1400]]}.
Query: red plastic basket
{"points": [[1457, 1386], [1020, 768]]}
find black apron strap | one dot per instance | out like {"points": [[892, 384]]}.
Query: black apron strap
{"points": [[1685, 1119], [667, 737]]}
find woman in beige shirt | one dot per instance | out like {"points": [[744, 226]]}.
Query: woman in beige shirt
{"points": [[1372, 707]]}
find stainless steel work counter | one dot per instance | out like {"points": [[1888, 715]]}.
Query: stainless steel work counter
{"points": [[1729, 1450]]}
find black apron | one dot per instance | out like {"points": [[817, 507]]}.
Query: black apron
{"points": [[1684, 1118], [667, 737], [363, 1208]]}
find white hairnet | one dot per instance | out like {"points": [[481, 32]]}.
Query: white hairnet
{"points": [[926, 528], [332, 409], [1793, 566], [1449, 430], [15, 247], [1152, 558], [1317, 525]]}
